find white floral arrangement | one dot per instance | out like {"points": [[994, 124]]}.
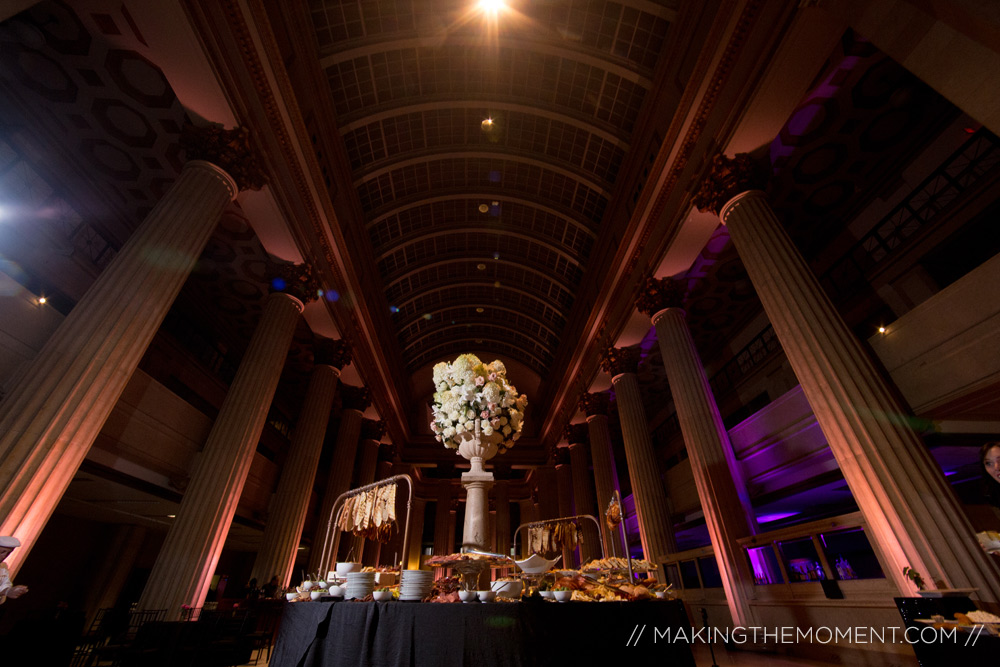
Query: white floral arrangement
{"points": [[467, 389]]}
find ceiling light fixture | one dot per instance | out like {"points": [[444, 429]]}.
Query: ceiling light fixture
{"points": [[881, 330], [491, 6], [42, 300], [487, 124], [481, 266]]}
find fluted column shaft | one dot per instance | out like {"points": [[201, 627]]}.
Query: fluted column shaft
{"points": [[290, 504], [529, 513], [583, 501], [184, 568], [605, 479], [51, 418], [548, 492], [502, 523], [412, 559], [912, 514], [721, 490], [656, 529], [564, 487], [366, 475], [443, 526], [338, 480]]}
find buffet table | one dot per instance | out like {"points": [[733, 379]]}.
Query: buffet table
{"points": [[321, 634]]}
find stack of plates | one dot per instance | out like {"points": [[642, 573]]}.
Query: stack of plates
{"points": [[416, 584], [359, 584]]}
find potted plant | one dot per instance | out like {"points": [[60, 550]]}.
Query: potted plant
{"points": [[915, 577]]}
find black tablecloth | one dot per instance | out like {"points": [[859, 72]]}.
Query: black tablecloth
{"points": [[323, 634], [935, 650]]}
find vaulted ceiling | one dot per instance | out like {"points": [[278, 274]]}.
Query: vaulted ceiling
{"points": [[459, 180]]}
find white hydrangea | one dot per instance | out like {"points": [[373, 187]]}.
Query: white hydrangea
{"points": [[468, 389]]}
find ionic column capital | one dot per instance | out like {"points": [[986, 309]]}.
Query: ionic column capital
{"points": [[228, 149], [616, 361], [727, 178], [659, 294]]}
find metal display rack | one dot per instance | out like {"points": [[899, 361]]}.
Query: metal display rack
{"points": [[333, 527], [534, 524]]}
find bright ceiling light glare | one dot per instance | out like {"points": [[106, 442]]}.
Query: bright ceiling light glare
{"points": [[881, 329], [491, 7], [42, 300], [487, 125]]}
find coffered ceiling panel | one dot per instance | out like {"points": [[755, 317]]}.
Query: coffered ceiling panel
{"points": [[485, 151]]}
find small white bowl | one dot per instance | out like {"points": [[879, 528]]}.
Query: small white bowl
{"points": [[661, 595], [486, 596], [316, 594], [291, 596], [562, 596], [382, 596], [307, 585], [335, 591], [322, 584], [343, 569], [547, 594], [536, 564], [507, 589], [467, 596]]}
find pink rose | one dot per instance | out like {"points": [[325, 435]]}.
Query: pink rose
{"points": [[485, 414], [480, 380]]}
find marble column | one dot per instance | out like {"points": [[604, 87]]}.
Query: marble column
{"points": [[913, 517], [501, 495], [656, 529], [371, 433], [186, 562], [354, 400], [52, 415], [564, 492], [107, 582], [583, 491], [290, 503], [443, 528], [529, 514], [595, 406], [415, 547], [544, 478], [721, 489]]}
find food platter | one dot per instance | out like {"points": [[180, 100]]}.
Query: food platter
{"points": [[614, 564]]}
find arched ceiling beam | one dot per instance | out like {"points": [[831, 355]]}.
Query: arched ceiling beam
{"points": [[434, 328], [429, 290], [518, 353], [395, 278], [568, 216], [439, 332], [508, 156], [580, 122], [407, 241], [589, 57]]}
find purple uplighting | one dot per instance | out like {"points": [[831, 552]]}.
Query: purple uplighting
{"points": [[777, 516]]}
